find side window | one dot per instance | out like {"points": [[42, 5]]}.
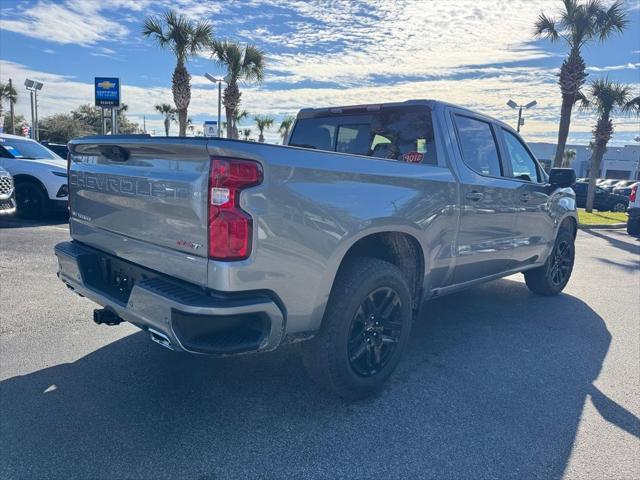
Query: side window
{"points": [[522, 164], [479, 150]]}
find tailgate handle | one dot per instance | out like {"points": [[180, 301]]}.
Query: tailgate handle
{"points": [[114, 153]]}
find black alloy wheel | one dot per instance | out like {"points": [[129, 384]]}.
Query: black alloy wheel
{"points": [[561, 264], [375, 332], [31, 200]]}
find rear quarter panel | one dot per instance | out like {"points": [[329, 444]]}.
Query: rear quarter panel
{"points": [[313, 206]]}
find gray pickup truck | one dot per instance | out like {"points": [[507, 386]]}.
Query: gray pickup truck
{"points": [[224, 247]]}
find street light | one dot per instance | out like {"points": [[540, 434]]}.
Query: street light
{"points": [[219, 81], [514, 105], [33, 86]]}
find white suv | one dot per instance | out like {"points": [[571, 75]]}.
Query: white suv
{"points": [[633, 223], [40, 175]]}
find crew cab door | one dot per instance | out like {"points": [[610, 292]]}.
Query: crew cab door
{"points": [[487, 228], [535, 223]]}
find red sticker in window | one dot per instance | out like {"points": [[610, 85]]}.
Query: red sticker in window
{"points": [[412, 157]]}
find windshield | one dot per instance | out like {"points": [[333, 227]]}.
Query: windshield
{"points": [[395, 133], [27, 149]]}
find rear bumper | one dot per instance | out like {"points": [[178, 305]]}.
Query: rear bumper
{"points": [[191, 318]]}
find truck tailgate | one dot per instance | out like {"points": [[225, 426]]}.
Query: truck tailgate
{"points": [[143, 199]]}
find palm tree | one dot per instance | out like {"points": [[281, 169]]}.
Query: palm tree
{"points": [[605, 98], [169, 114], [567, 158], [262, 122], [284, 127], [8, 93], [240, 64], [184, 38], [247, 133], [578, 25]]}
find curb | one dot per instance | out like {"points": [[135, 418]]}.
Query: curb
{"points": [[602, 226]]}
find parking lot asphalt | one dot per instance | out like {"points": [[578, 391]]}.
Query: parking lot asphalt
{"points": [[496, 383]]}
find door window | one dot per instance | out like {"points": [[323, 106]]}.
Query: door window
{"points": [[479, 150], [523, 166]]}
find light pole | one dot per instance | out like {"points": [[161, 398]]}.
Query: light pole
{"points": [[33, 86], [219, 81], [514, 105]]}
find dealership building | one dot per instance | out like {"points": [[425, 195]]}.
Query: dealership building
{"points": [[618, 162]]}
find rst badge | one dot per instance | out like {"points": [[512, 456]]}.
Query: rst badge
{"points": [[188, 244]]}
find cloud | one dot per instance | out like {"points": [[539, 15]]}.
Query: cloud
{"points": [[355, 51], [354, 41], [613, 68], [80, 22], [486, 93]]}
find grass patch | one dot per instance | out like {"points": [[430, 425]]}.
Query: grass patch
{"points": [[600, 218]]}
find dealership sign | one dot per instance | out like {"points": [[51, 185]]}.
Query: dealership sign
{"points": [[210, 128], [107, 92]]}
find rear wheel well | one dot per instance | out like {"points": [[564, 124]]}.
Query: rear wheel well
{"points": [[22, 178], [400, 249]]}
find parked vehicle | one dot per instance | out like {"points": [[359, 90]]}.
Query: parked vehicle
{"points": [[633, 222], [603, 200], [223, 247], [7, 193], [59, 149], [608, 184], [623, 187], [40, 175]]}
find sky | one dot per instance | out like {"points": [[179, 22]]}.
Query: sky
{"points": [[475, 53]]}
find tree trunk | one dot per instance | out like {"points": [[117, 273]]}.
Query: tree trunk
{"points": [[181, 88], [563, 130], [231, 101], [166, 126], [602, 134], [571, 79], [596, 160], [261, 138], [229, 114]]}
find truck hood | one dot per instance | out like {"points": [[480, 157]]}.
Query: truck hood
{"points": [[60, 164]]}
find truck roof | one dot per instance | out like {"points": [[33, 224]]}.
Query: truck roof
{"points": [[373, 107]]}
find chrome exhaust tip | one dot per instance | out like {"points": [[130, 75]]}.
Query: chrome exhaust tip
{"points": [[160, 339]]}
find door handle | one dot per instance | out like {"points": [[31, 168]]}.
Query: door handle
{"points": [[525, 197], [474, 196]]}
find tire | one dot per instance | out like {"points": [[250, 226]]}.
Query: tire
{"points": [[551, 278], [619, 207], [633, 226], [335, 358], [32, 201]]}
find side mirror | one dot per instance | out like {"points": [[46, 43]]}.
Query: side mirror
{"points": [[562, 177]]}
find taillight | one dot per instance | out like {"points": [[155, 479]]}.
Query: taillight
{"points": [[230, 227], [634, 193]]}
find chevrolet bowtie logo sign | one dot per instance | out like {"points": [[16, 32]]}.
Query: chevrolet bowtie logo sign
{"points": [[106, 84], [107, 92]]}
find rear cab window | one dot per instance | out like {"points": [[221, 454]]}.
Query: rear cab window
{"points": [[403, 134]]}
